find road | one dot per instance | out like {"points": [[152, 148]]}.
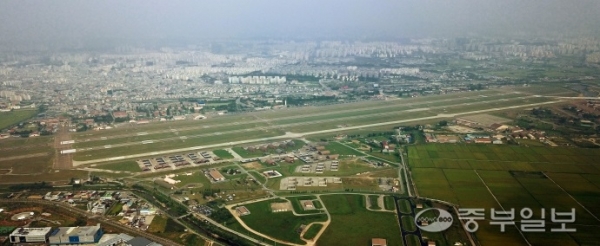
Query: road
{"points": [[289, 135], [62, 161]]}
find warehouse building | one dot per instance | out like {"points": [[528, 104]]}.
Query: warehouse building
{"points": [[76, 235], [30, 235]]}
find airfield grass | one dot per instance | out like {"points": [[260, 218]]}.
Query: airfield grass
{"points": [[371, 104], [46, 176], [317, 204], [170, 144], [474, 176], [404, 206], [388, 202], [137, 136], [312, 231], [373, 202], [26, 143], [341, 149], [390, 108], [197, 178], [408, 223], [242, 119], [345, 211], [301, 124], [392, 157], [127, 166], [223, 154], [15, 116], [412, 240], [30, 165], [281, 225], [295, 200], [385, 173], [247, 154]]}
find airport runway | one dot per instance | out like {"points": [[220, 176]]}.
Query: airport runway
{"points": [[262, 120], [298, 135], [275, 126]]}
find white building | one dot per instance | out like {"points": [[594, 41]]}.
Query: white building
{"points": [[76, 235], [30, 235]]}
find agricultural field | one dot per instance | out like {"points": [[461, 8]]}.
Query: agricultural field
{"points": [[15, 116], [280, 225], [505, 177], [353, 224]]}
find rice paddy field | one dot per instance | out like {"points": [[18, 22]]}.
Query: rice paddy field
{"points": [[506, 177]]}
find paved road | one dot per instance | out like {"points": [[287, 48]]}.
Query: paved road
{"points": [[297, 135], [62, 161]]}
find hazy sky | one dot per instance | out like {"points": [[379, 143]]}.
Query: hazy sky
{"points": [[137, 19]]}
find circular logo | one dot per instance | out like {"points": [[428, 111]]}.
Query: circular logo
{"points": [[429, 220]]}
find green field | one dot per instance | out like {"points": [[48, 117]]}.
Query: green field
{"points": [[474, 176], [247, 154], [404, 206], [312, 231], [340, 149], [223, 154], [15, 116], [373, 201], [102, 152], [295, 200], [408, 223], [127, 166], [282, 225], [388, 202], [353, 224], [115, 209], [31, 165]]}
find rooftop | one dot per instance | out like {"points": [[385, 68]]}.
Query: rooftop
{"points": [[31, 231], [216, 174], [71, 231], [378, 242]]}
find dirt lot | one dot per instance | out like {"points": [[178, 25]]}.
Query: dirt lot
{"points": [[252, 165], [281, 206], [485, 119]]}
